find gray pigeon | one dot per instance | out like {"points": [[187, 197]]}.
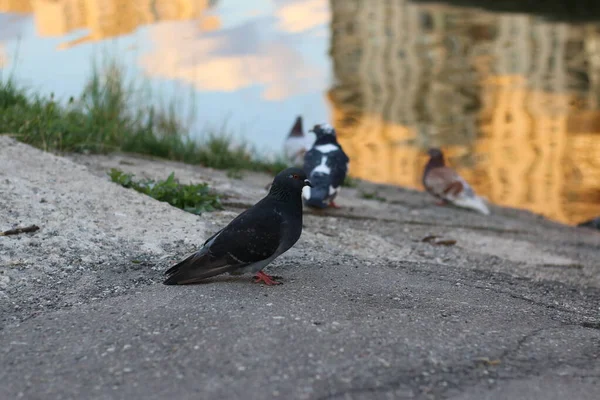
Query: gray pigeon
{"points": [[252, 239], [326, 165], [297, 144]]}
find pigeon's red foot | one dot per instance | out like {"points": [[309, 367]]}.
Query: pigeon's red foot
{"points": [[266, 279], [333, 205], [441, 202]]}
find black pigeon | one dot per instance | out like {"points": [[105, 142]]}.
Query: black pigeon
{"points": [[593, 223], [251, 240], [326, 165]]}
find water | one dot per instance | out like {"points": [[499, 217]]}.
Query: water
{"points": [[513, 98]]}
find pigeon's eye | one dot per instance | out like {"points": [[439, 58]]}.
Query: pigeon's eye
{"points": [[295, 176]]}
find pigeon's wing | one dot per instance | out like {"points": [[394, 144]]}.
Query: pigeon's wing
{"points": [[312, 159], [253, 236], [444, 182], [338, 164], [212, 237]]}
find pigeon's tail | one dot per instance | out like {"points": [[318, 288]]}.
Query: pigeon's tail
{"points": [[297, 130], [195, 268], [317, 196], [473, 202]]}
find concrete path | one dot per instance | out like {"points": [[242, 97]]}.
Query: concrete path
{"points": [[367, 310]]}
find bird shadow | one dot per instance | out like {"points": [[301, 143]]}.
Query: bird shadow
{"points": [[237, 279]]}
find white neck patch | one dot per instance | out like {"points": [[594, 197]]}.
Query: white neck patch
{"points": [[326, 148]]}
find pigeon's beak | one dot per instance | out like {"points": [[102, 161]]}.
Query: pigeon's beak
{"points": [[307, 183]]}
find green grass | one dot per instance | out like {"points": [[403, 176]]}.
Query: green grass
{"points": [[195, 199], [113, 114], [372, 196], [350, 182]]}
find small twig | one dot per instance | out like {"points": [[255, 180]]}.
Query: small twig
{"points": [[17, 231], [327, 234], [448, 242], [432, 240]]}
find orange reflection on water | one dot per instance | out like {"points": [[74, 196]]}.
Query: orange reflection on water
{"points": [[104, 18], [513, 100], [16, 6]]}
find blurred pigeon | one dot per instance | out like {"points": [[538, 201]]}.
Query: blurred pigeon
{"points": [[297, 144], [326, 165], [449, 187], [251, 240], [593, 223]]}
